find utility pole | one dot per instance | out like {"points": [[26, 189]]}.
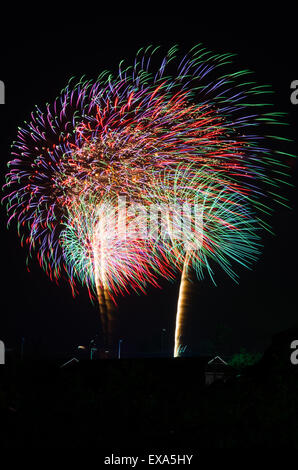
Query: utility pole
{"points": [[119, 348], [163, 333], [93, 348]]}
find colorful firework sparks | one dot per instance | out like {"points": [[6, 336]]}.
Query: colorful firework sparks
{"points": [[105, 247], [109, 244], [117, 134], [205, 222]]}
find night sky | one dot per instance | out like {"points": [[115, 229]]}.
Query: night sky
{"points": [[35, 67]]}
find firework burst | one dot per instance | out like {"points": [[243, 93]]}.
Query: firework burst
{"points": [[119, 135]]}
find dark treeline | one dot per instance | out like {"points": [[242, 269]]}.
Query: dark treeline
{"points": [[150, 403]]}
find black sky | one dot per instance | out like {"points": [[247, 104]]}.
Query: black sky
{"points": [[35, 67]]}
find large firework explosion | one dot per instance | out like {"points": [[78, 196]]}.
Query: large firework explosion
{"points": [[117, 135]]}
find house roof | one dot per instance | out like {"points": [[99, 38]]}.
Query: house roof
{"points": [[217, 360], [217, 364], [74, 360]]}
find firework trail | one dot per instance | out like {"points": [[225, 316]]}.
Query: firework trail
{"points": [[107, 249], [206, 224], [118, 134]]}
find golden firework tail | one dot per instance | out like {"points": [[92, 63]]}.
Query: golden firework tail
{"points": [[102, 310], [99, 275], [111, 321], [184, 302]]}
